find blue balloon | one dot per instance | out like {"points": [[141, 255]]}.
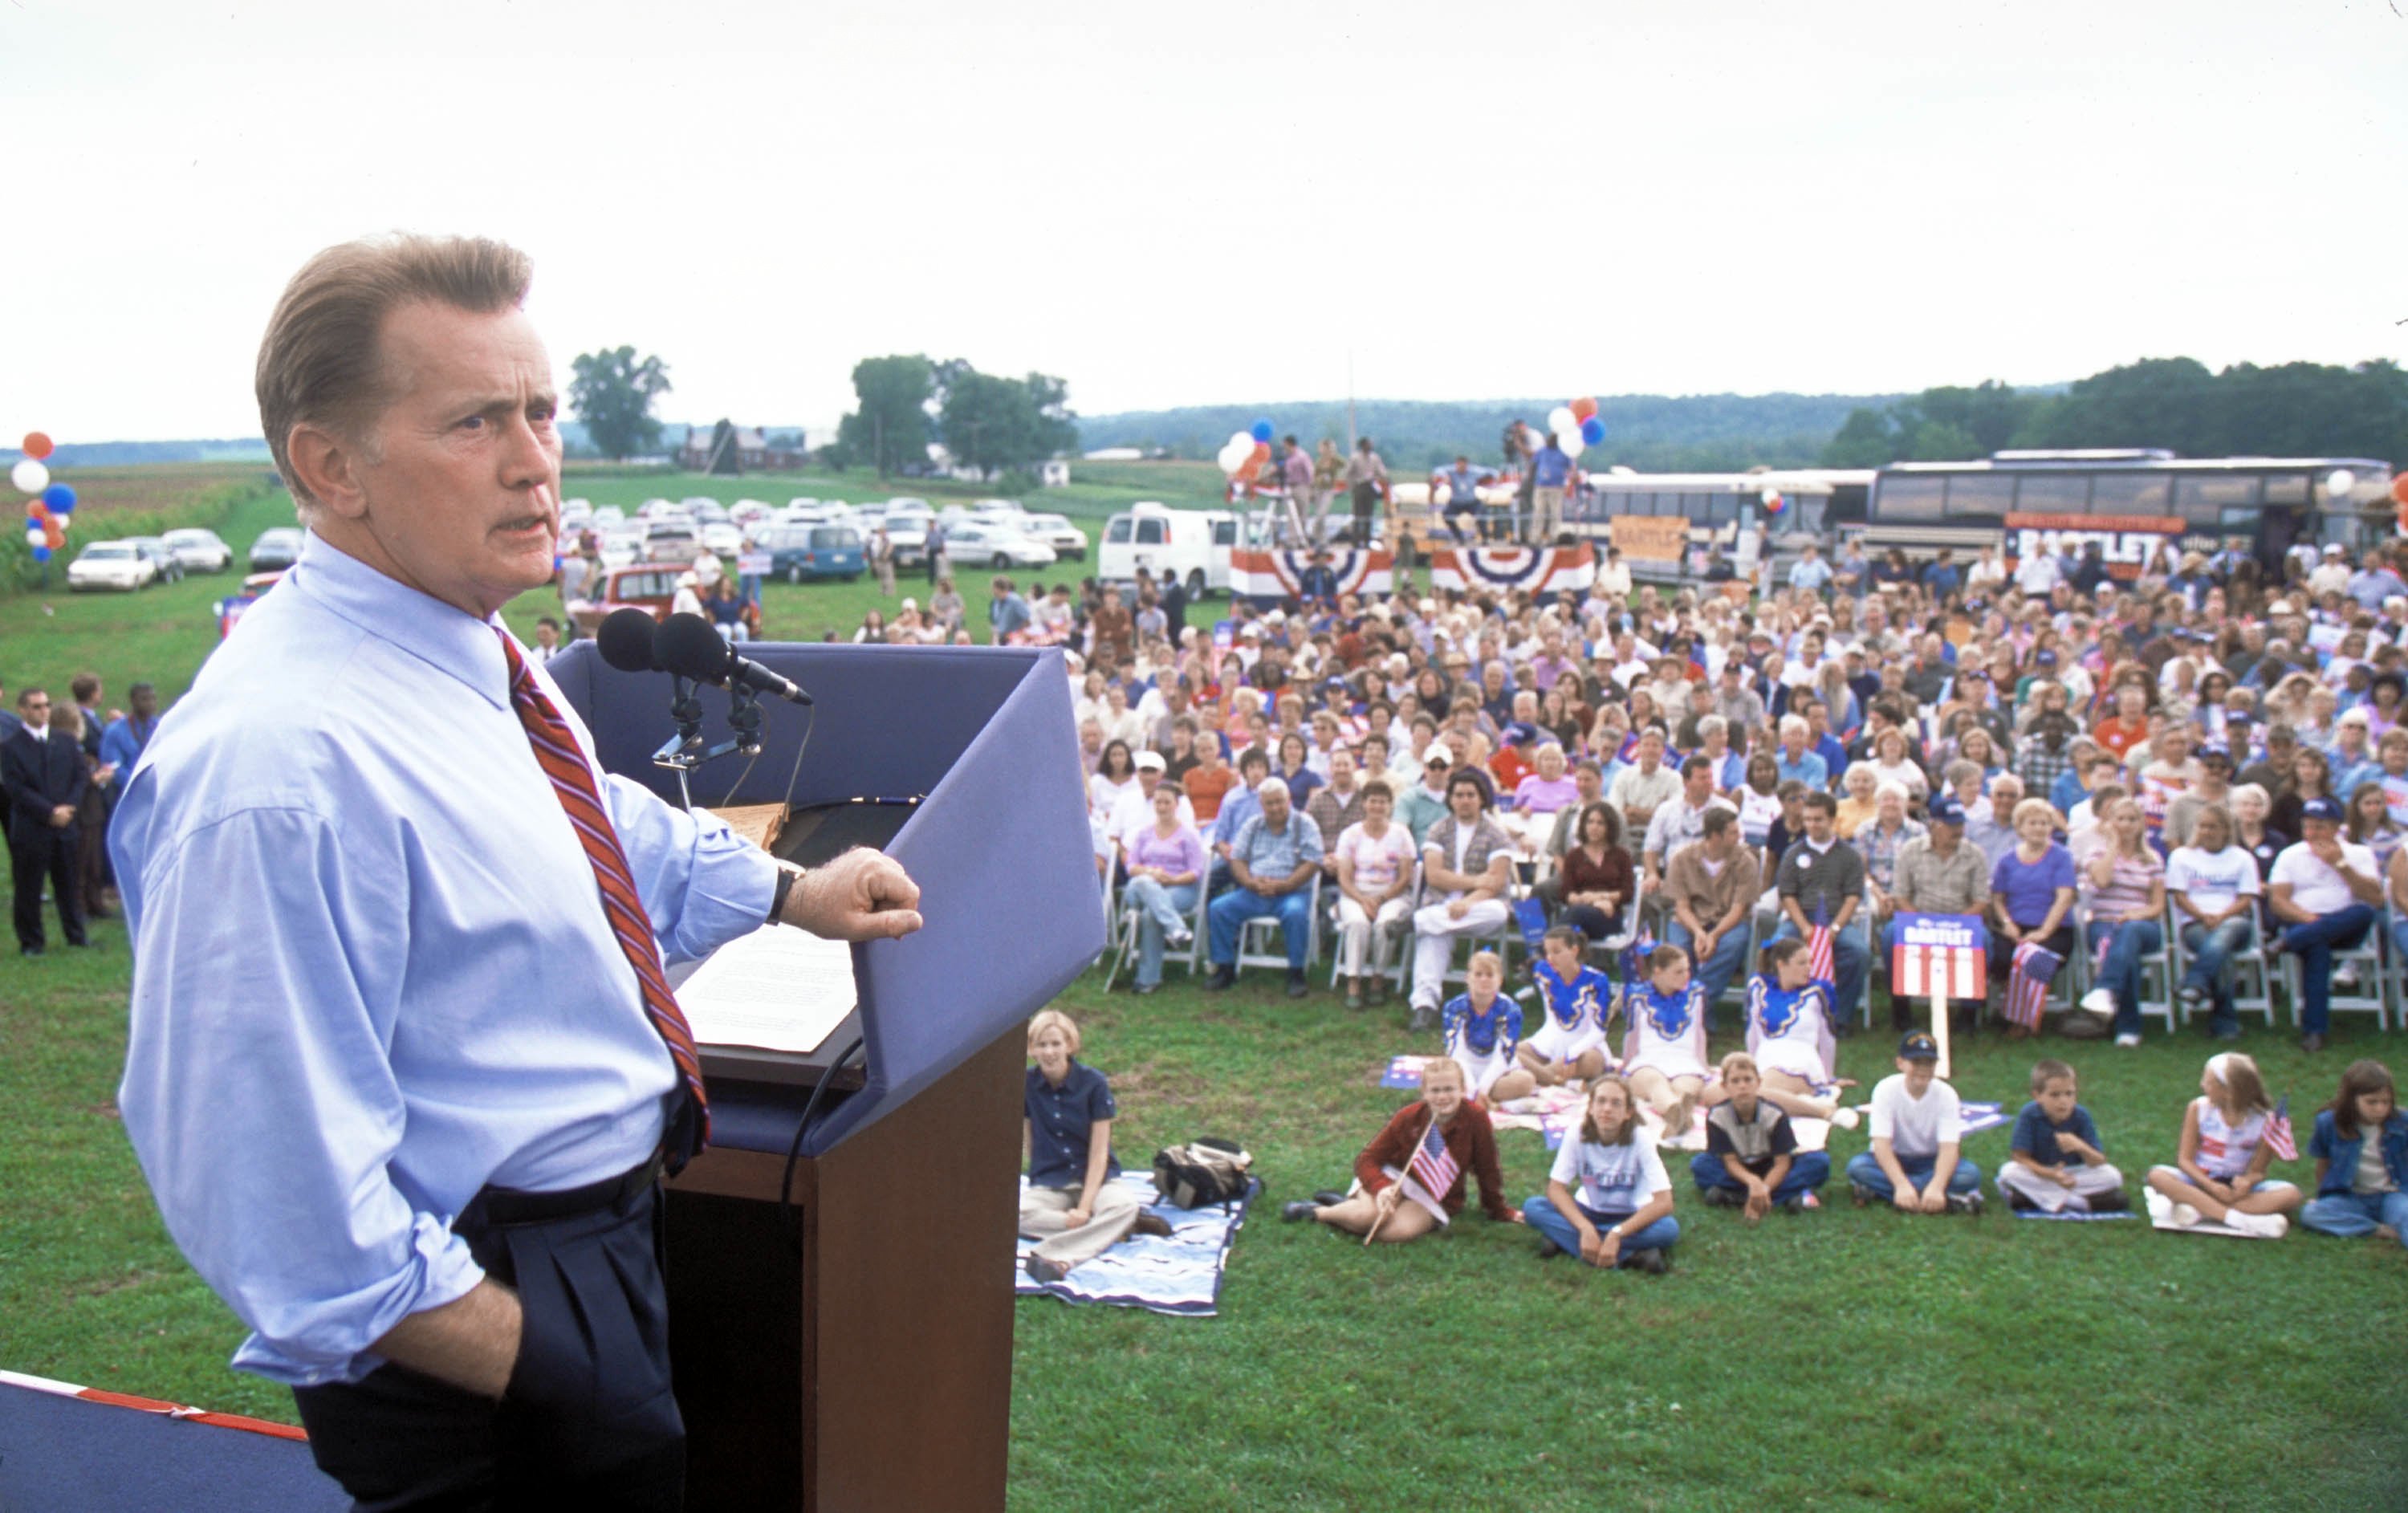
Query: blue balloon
{"points": [[60, 498], [41, 554], [1592, 430], [1262, 431]]}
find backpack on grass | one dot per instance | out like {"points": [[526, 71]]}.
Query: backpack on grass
{"points": [[1203, 1171]]}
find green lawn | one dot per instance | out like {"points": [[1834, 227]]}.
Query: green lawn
{"points": [[1841, 1359]]}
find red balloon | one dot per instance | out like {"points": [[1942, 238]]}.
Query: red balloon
{"points": [[2400, 489], [36, 510], [36, 445], [53, 537], [1583, 408], [1262, 451]]}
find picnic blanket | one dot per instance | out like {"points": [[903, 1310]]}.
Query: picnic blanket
{"points": [[1979, 1117], [1178, 1275], [2161, 1217], [2081, 1216]]}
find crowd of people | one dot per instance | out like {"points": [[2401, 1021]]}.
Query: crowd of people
{"points": [[1673, 794]]}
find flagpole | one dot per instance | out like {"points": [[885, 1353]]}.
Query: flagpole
{"points": [[1427, 1125]]}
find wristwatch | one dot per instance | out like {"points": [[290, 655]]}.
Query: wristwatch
{"points": [[786, 877]]}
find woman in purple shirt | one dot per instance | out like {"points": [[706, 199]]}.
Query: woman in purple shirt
{"points": [[1165, 866], [2031, 891]]}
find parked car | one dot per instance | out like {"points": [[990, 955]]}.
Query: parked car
{"points": [[575, 512], [1057, 532], [651, 507], [747, 511], [111, 565], [200, 550], [723, 537], [277, 548], [907, 528], [702, 508], [814, 550], [647, 586], [1191, 545], [670, 541], [621, 547], [230, 609], [800, 501], [166, 569], [609, 515], [995, 544]]}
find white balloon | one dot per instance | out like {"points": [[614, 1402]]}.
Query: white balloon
{"points": [[1571, 443], [1241, 441], [1770, 498], [29, 477], [2341, 482], [1561, 421], [34, 536]]}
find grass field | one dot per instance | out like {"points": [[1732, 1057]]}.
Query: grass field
{"points": [[1840, 1360]]}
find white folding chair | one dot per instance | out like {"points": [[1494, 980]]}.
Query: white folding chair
{"points": [[2369, 997], [2253, 975], [1260, 942]]}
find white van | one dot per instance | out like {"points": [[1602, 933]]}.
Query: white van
{"points": [[1192, 545]]}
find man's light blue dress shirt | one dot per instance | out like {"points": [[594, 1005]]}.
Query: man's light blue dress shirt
{"points": [[372, 970]]}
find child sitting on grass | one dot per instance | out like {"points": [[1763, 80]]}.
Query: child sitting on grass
{"points": [[1482, 1027], [2361, 1151], [1665, 1059], [1575, 1002], [2219, 1173], [2057, 1163], [1917, 1127], [1622, 1216], [1396, 1208], [1752, 1161]]}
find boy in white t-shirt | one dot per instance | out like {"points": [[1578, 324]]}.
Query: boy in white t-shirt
{"points": [[1917, 1125], [2214, 888]]}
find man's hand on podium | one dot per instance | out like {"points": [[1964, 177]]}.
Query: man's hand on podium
{"points": [[861, 896]]}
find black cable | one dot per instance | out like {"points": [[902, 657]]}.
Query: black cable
{"points": [[795, 1151]]}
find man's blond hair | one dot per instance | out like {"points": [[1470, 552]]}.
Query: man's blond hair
{"points": [[320, 363]]}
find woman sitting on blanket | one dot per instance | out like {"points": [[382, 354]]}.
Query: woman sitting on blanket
{"points": [[1789, 1037], [1390, 1206], [1576, 1000], [1482, 1028], [2219, 1173], [1071, 1204], [1664, 1050], [1607, 1199]]}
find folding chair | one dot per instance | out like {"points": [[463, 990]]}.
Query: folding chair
{"points": [[2253, 975], [2367, 956], [1400, 957], [1257, 938], [1124, 941], [2161, 962]]}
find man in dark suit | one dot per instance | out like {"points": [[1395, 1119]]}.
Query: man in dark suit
{"points": [[44, 772]]}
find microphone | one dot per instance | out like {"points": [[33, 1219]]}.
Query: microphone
{"points": [[688, 646], [625, 641]]}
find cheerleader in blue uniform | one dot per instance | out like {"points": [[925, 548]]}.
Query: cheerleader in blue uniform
{"points": [[1789, 1035], [1482, 1028], [1664, 1050], [1576, 1001]]}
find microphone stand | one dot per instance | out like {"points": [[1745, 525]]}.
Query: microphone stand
{"points": [[684, 751]]}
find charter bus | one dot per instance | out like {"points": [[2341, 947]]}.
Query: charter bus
{"points": [[1723, 509], [2129, 501]]}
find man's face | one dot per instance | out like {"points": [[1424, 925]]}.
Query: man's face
{"points": [[34, 710], [1650, 752], [1275, 809], [461, 488], [1591, 784], [1818, 823], [1698, 786], [1341, 770], [1463, 799], [146, 704]]}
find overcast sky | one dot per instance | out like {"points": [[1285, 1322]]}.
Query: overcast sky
{"points": [[1207, 203]]}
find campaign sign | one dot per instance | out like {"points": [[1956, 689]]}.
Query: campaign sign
{"points": [[1939, 954]]}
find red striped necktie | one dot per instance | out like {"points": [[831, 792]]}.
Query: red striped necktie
{"points": [[556, 752]]}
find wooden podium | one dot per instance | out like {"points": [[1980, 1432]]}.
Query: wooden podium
{"points": [[843, 1342]]}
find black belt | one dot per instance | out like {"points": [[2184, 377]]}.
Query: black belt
{"points": [[500, 1205]]}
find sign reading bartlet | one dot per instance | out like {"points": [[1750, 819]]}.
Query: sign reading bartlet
{"points": [[1944, 954], [1650, 538], [2125, 549]]}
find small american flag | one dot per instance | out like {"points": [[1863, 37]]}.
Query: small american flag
{"points": [[2035, 967], [1433, 1164], [2278, 1131], [1818, 945]]}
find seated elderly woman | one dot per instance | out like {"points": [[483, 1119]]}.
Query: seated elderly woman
{"points": [[1880, 840], [1069, 1207], [1856, 806], [1537, 798]]}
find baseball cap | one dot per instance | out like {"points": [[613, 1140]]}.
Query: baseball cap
{"points": [[2216, 751], [1945, 810], [1520, 731], [2321, 809], [2044, 658], [1918, 1047], [1151, 760], [1438, 759]]}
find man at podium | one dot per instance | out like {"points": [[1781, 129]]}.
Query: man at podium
{"points": [[403, 1067]]}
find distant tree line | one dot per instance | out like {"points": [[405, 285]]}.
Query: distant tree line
{"points": [[995, 424], [2296, 409]]}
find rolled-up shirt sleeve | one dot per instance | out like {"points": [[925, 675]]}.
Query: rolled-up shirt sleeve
{"points": [[260, 1098], [702, 884]]}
